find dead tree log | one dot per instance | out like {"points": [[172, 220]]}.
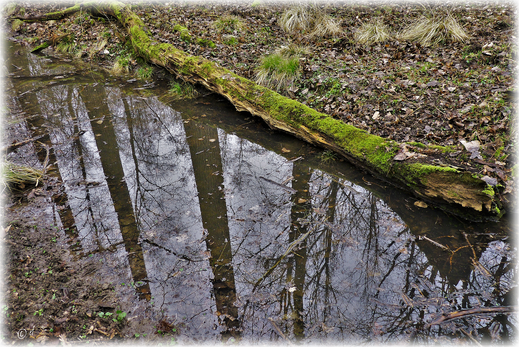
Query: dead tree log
{"points": [[451, 189]]}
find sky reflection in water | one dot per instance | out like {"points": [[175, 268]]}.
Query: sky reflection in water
{"points": [[239, 232]]}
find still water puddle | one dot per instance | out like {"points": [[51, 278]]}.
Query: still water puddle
{"points": [[237, 232]]}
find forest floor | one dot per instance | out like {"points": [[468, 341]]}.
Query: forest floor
{"points": [[395, 89]]}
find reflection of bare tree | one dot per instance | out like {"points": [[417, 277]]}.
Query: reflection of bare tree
{"points": [[321, 279], [207, 167], [94, 99], [77, 146], [296, 265]]}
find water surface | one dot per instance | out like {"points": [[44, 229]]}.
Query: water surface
{"points": [[237, 232]]}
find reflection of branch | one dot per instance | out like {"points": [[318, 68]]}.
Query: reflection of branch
{"points": [[473, 251], [10, 148], [279, 331], [158, 118], [472, 311], [289, 249], [477, 265], [288, 189], [437, 244], [182, 256], [471, 338]]}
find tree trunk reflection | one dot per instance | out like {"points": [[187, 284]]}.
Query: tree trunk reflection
{"points": [[94, 99], [208, 171]]}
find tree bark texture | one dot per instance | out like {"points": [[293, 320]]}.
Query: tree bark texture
{"points": [[451, 189]]}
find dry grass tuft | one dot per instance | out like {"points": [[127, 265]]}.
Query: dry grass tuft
{"points": [[325, 25], [20, 176], [97, 47], [229, 24], [295, 20], [308, 20], [431, 31], [372, 32], [293, 50]]}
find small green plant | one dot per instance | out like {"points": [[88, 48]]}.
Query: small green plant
{"points": [[229, 24], [104, 314], [144, 72], [372, 32], [471, 56], [39, 312], [230, 40], [280, 69], [335, 89], [182, 90], [120, 316], [328, 156], [205, 43]]}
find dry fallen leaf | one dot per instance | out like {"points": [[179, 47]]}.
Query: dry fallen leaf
{"points": [[473, 148], [420, 204]]}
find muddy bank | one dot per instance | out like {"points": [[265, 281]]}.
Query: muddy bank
{"points": [[53, 297]]}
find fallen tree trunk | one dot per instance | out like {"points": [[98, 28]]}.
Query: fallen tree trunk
{"points": [[449, 188]]}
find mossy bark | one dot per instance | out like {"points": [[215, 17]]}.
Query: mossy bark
{"points": [[448, 188]]}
